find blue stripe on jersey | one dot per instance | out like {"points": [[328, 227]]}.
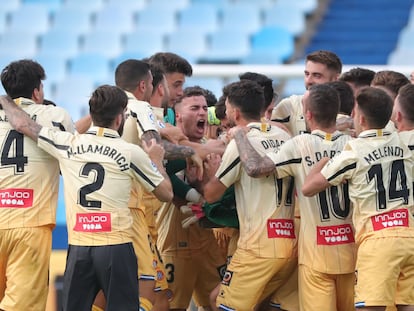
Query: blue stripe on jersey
{"points": [[411, 147], [346, 168], [60, 147], [223, 307], [274, 305], [140, 173], [360, 304], [291, 161], [230, 167]]}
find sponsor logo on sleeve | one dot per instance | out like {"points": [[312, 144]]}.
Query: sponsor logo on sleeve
{"points": [[334, 235], [16, 198], [227, 278], [93, 222], [280, 228], [395, 218]]}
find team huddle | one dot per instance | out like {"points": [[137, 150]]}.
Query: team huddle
{"points": [[173, 197]]}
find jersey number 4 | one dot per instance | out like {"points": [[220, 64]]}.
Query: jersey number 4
{"points": [[12, 153], [397, 188]]}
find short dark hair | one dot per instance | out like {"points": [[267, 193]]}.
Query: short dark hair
{"points": [[376, 105], [248, 96], [391, 80], [358, 76], [171, 63], [324, 104], [346, 96], [130, 72], [265, 82], [406, 100], [157, 76], [20, 78], [328, 58], [221, 104], [106, 103]]}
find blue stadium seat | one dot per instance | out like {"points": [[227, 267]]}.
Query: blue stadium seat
{"points": [[285, 16], [9, 6], [270, 45], [187, 43], [73, 93], [72, 20], [114, 19], [52, 5], [146, 43], [306, 6], [89, 6], [174, 5], [105, 42], [22, 19], [93, 65], [21, 44], [132, 5], [126, 55], [213, 84], [226, 46], [246, 18], [153, 19], [55, 66], [61, 43], [199, 17]]}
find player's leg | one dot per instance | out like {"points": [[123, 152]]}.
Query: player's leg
{"points": [[80, 285], [116, 267], [26, 273]]}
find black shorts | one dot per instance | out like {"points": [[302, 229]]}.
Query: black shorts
{"points": [[112, 268]]}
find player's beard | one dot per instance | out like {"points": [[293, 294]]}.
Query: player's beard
{"points": [[121, 126]]}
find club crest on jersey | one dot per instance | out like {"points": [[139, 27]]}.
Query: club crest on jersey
{"points": [[227, 278], [280, 228], [334, 235], [93, 222], [16, 198], [152, 118], [396, 218]]}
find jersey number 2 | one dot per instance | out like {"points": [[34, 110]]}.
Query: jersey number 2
{"points": [[99, 172]]}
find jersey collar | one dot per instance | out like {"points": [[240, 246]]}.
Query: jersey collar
{"points": [[103, 132], [23, 101], [374, 133], [327, 136], [261, 126]]}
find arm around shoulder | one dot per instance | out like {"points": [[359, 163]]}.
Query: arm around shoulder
{"points": [[19, 119]]}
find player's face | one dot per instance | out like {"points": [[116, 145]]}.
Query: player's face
{"points": [[231, 120], [166, 94], [395, 110], [148, 88], [175, 82], [412, 77], [192, 117], [317, 73], [356, 114]]}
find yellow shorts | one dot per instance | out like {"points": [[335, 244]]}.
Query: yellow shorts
{"points": [[144, 250], [385, 272], [325, 292], [287, 296], [246, 278], [24, 268], [196, 275]]}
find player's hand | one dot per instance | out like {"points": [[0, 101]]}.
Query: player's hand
{"points": [[155, 151], [173, 134], [231, 132], [211, 164], [195, 166]]}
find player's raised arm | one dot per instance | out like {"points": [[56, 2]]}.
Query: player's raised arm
{"points": [[19, 119]]}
